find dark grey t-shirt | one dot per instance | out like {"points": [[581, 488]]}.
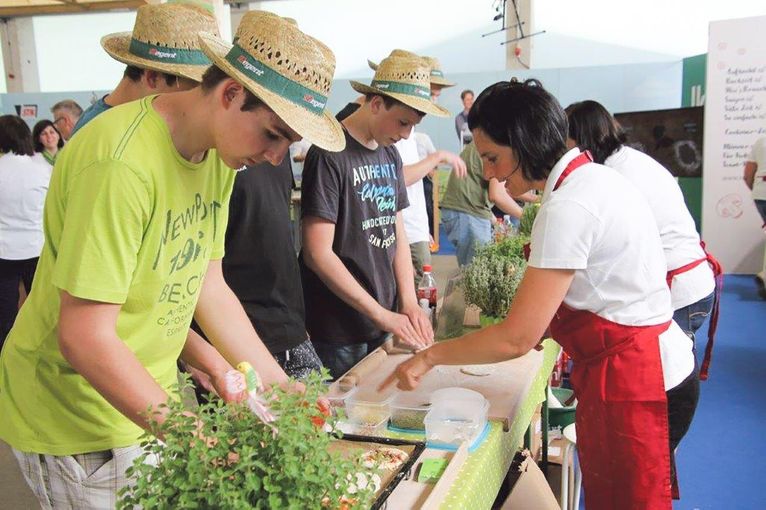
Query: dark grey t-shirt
{"points": [[360, 190]]}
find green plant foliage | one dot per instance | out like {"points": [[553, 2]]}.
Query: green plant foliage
{"points": [[241, 463], [491, 279], [528, 219]]}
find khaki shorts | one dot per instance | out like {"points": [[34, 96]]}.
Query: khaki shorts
{"points": [[84, 481]]}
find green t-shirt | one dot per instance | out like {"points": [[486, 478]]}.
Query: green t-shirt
{"points": [[470, 194], [127, 221]]}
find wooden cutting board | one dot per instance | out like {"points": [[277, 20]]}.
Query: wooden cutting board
{"points": [[505, 386]]}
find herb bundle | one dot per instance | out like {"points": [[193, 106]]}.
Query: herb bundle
{"points": [[242, 463]]}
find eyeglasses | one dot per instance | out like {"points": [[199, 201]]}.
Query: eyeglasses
{"points": [[58, 119]]}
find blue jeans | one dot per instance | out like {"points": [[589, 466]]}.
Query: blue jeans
{"points": [[340, 358], [465, 231], [690, 318], [761, 206]]}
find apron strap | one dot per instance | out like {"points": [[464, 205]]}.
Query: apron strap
{"points": [[713, 326]]}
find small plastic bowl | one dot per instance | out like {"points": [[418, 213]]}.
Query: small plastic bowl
{"points": [[362, 429], [409, 412], [456, 393], [337, 397], [368, 407], [450, 423]]}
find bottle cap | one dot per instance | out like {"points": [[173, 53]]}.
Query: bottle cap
{"points": [[427, 268]]}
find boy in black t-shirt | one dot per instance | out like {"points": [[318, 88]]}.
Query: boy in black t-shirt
{"points": [[355, 264]]}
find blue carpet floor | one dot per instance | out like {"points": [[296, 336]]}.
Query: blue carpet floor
{"points": [[721, 460]]}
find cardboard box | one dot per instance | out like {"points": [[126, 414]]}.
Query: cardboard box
{"points": [[537, 433], [556, 450], [530, 488]]}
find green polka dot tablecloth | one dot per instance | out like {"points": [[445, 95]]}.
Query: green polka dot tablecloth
{"points": [[482, 475]]}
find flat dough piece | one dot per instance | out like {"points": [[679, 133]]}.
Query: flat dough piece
{"points": [[384, 457], [478, 370]]}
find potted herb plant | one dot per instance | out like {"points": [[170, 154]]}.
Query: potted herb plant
{"points": [[224, 457]]}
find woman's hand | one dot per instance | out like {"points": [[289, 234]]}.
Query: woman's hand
{"points": [[408, 374]]}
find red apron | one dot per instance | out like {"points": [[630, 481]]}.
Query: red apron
{"points": [[713, 326], [622, 410]]}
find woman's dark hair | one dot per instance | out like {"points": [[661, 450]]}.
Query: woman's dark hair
{"points": [[15, 136], [594, 129], [528, 119], [38, 129], [215, 75], [134, 74]]}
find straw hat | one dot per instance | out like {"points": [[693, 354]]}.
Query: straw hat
{"points": [[437, 76], [164, 39], [405, 79], [394, 53], [288, 70]]}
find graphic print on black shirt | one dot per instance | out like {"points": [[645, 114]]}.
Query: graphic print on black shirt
{"points": [[360, 190]]}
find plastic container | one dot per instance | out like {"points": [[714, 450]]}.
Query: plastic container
{"points": [[374, 430], [456, 393], [408, 412], [337, 398], [561, 416], [452, 422], [369, 407]]}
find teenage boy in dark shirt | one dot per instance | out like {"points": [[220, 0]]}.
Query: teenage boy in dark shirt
{"points": [[261, 265], [356, 264]]}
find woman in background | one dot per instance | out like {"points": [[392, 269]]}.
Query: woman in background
{"points": [[596, 275], [23, 186], [47, 140], [690, 277]]}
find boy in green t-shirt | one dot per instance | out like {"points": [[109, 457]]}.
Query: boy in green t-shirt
{"points": [[134, 234]]}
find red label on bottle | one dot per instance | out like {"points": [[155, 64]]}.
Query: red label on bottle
{"points": [[428, 293]]}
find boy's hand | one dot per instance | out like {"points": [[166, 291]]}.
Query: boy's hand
{"points": [[400, 325], [420, 320]]}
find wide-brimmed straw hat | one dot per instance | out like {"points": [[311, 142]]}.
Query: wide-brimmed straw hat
{"points": [[164, 39], [437, 75], [394, 53], [288, 70], [405, 79]]}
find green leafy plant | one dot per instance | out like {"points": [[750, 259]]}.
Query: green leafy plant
{"points": [[491, 279], [528, 216], [224, 457]]}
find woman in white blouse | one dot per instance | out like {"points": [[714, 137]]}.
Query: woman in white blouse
{"points": [[23, 186], [596, 275]]}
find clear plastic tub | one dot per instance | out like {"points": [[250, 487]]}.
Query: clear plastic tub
{"points": [[408, 411], [374, 430], [369, 407], [337, 398], [451, 422], [456, 393]]}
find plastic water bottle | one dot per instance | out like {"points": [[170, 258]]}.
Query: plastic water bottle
{"points": [[427, 290]]}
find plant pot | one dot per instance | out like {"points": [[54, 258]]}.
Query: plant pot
{"points": [[489, 320], [563, 416]]}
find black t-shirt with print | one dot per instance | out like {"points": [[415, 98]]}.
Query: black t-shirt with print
{"points": [[360, 190], [260, 264]]}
